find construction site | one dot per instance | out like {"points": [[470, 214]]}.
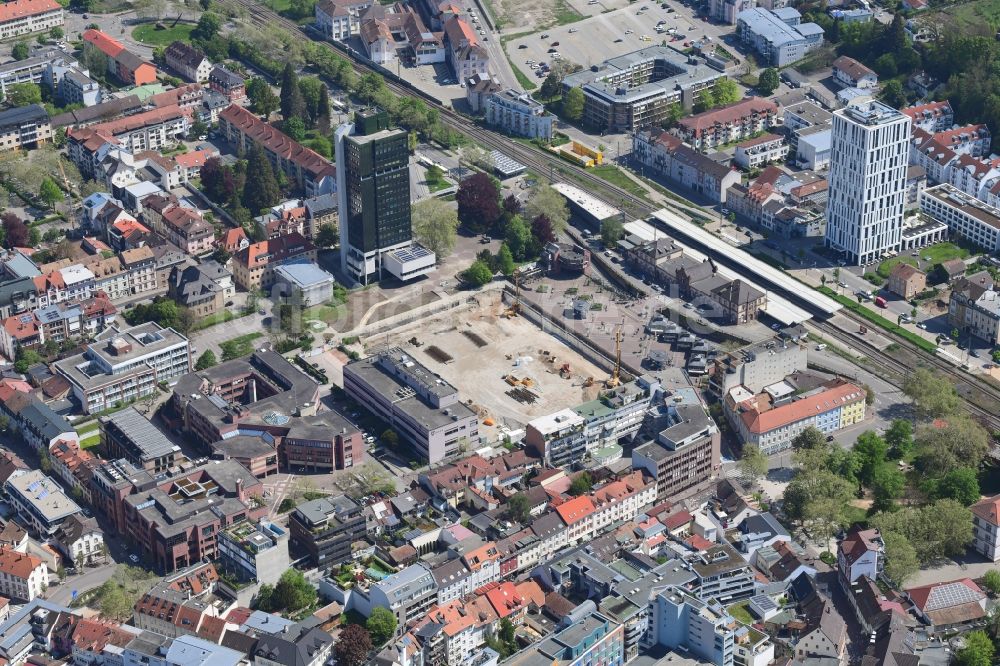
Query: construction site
{"points": [[516, 370]]}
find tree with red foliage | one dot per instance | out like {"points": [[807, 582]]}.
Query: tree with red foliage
{"points": [[478, 202], [353, 645], [16, 232], [541, 230], [511, 206], [217, 180]]}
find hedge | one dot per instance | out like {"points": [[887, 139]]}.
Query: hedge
{"points": [[879, 320]]}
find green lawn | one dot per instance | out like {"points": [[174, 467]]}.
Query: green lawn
{"points": [[88, 427], [741, 612], [217, 318], [935, 254], [91, 441], [886, 266], [148, 34], [435, 180], [968, 15], [616, 177], [328, 314], [566, 14]]}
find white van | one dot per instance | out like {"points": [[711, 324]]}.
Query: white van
{"points": [[820, 347]]}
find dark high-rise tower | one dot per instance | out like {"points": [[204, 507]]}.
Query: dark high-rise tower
{"points": [[373, 183]]}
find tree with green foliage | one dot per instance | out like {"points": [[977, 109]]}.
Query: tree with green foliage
{"points": [[20, 51], [551, 87], [353, 645], [23, 94], [816, 499], [381, 625], [295, 128], [293, 592], [887, 484], [768, 81], [612, 231], [893, 94], [518, 239], [326, 235], [726, 91], [991, 581], [899, 437], [435, 226], [934, 396], [674, 113], [870, 451], [901, 560], [956, 443], [50, 193], [961, 485], [581, 485], [505, 260], [753, 464], [809, 439], [207, 28], [978, 650], [57, 32], [292, 103], [206, 360], [518, 508], [263, 101], [572, 104], [478, 273], [261, 190], [545, 200], [935, 531]]}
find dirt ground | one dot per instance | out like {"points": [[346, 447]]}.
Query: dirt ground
{"points": [[512, 347]]}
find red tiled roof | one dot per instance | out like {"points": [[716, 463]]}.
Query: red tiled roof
{"points": [[852, 67], [21, 326], [18, 565], [698, 542], [988, 509], [277, 142], [930, 108], [193, 159], [758, 421], [10, 11], [107, 45], [700, 122], [677, 520], [575, 509], [144, 119]]}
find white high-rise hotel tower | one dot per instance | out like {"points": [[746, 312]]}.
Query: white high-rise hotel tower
{"points": [[868, 161]]}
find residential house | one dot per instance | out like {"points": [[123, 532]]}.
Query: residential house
{"points": [[726, 124], [986, 527], [126, 66], [906, 280], [850, 73], [188, 61]]}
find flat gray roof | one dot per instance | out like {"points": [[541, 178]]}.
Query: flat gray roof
{"points": [[685, 73], [145, 438], [44, 494]]}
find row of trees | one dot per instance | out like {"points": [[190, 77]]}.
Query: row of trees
{"points": [[246, 189]]}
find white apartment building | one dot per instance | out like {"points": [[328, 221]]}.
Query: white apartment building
{"points": [[340, 19], [965, 215], [22, 576], [986, 527], [516, 113], [868, 163], [23, 17]]}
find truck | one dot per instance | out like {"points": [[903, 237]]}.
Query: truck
{"points": [[880, 301]]}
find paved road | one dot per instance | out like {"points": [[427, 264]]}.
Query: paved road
{"points": [[92, 577]]}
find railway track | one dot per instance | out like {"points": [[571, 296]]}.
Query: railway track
{"points": [[982, 399]]}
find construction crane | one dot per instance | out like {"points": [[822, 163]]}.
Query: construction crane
{"points": [[615, 379]]}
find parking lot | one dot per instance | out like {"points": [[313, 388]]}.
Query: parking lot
{"points": [[613, 33]]}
